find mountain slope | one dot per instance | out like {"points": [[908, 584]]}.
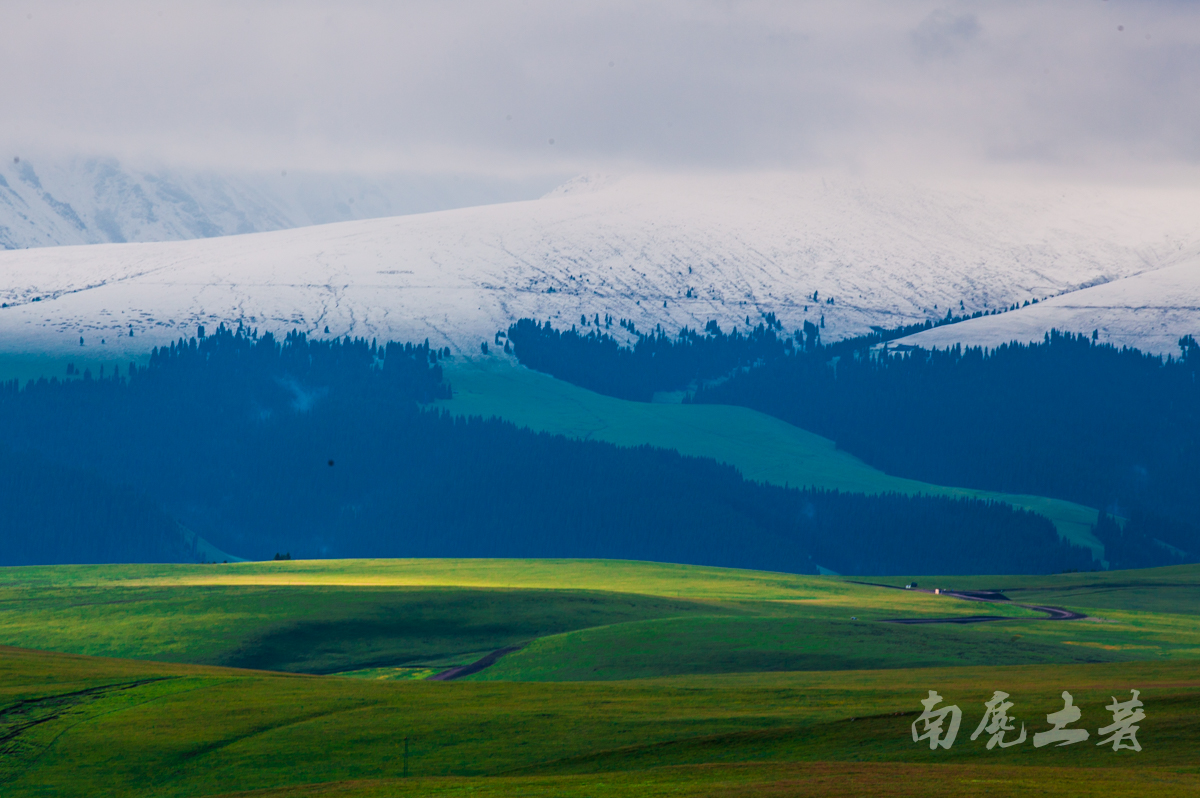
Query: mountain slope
{"points": [[51, 202], [655, 249], [1149, 311]]}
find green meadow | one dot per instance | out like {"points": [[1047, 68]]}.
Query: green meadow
{"points": [[763, 448], [627, 679], [97, 726], [354, 615]]}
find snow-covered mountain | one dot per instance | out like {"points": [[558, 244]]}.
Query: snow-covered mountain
{"points": [[667, 250], [49, 202], [1149, 311]]}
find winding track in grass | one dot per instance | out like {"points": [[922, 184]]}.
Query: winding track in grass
{"points": [[989, 596], [475, 667]]}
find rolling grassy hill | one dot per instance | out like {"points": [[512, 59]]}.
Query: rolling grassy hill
{"points": [[1138, 617], [763, 448], [404, 615], [578, 619], [748, 683]]}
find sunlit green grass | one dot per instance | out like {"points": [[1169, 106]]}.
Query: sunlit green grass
{"points": [[351, 615], [667, 580], [763, 448]]}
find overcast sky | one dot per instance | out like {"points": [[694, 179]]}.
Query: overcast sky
{"points": [[523, 88]]}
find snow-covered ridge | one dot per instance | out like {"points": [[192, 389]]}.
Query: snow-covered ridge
{"points": [[1149, 311], [53, 202], [664, 250]]}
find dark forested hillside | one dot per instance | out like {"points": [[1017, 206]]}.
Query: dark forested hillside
{"points": [[591, 356], [52, 514], [1069, 418], [654, 362], [322, 449]]}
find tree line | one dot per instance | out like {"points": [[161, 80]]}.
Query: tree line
{"points": [[591, 356], [653, 362]]}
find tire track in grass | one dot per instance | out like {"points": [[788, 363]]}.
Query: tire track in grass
{"points": [[476, 666], [18, 720], [988, 596]]}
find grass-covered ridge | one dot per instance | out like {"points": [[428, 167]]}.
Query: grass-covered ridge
{"points": [[313, 629]]}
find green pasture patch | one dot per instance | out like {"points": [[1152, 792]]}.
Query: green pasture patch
{"points": [[1167, 598], [389, 673], [762, 447], [1140, 614], [696, 645], [310, 629], [1174, 590], [341, 616], [187, 730], [1116, 635], [1167, 575]]}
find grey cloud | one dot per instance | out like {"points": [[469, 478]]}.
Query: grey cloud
{"points": [[482, 87], [943, 33]]}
